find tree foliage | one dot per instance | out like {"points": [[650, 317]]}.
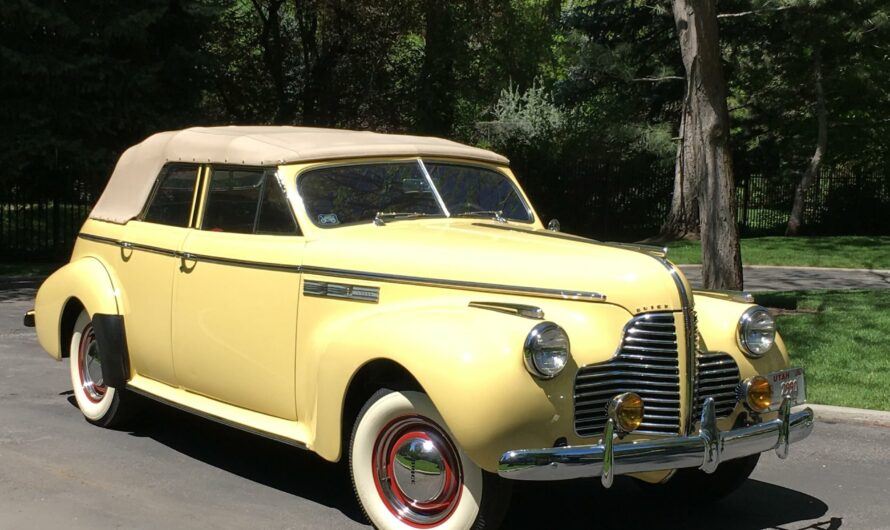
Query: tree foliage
{"points": [[556, 85]]}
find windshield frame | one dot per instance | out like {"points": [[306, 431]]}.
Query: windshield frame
{"points": [[421, 162]]}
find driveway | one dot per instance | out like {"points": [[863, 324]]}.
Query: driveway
{"points": [[763, 278], [173, 470]]}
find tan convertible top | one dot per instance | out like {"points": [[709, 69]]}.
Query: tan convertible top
{"points": [[138, 167]]}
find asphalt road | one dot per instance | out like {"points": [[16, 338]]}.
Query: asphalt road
{"points": [[177, 471]]}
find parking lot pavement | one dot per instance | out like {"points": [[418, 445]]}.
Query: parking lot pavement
{"points": [[760, 278], [173, 470]]}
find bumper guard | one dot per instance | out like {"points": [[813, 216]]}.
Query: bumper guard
{"points": [[704, 451]]}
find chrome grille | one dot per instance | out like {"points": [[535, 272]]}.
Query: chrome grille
{"points": [[646, 363], [716, 376]]}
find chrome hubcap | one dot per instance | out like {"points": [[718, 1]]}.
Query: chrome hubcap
{"points": [[417, 471], [90, 367]]}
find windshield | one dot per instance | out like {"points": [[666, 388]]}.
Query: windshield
{"points": [[385, 191]]}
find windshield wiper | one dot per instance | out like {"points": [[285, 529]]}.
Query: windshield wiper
{"points": [[381, 217], [497, 215]]}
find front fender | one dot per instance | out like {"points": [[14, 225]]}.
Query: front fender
{"points": [[469, 361], [718, 322], [85, 279]]}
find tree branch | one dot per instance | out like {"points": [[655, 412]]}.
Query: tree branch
{"points": [[660, 79], [754, 12]]}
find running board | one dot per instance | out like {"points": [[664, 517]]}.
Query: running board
{"points": [[292, 433]]}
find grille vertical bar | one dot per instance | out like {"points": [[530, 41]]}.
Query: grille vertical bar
{"points": [[646, 363], [716, 376]]}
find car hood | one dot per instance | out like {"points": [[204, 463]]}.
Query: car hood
{"points": [[483, 252]]}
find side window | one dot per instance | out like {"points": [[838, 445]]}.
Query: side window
{"points": [[171, 203], [247, 201], [276, 216]]}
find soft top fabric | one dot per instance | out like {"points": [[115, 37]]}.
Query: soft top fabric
{"points": [[136, 171]]}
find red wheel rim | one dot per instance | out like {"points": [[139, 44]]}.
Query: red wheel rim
{"points": [[417, 471], [89, 367]]}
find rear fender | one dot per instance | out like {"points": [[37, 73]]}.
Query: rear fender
{"points": [[86, 280]]}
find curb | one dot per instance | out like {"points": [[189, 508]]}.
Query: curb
{"points": [[833, 414]]}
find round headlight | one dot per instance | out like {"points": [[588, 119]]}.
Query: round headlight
{"points": [[546, 350], [757, 331]]}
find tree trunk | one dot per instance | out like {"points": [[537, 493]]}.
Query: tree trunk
{"points": [[682, 221], [705, 154], [796, 217], [435, 104]]}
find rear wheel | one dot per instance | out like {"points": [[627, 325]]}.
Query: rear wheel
{"points": [[408, 472], [100, 404]]}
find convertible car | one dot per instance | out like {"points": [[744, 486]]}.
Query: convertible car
{"points": [[396, 301]]}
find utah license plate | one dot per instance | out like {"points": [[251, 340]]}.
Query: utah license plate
{"points": [[788, 384]]}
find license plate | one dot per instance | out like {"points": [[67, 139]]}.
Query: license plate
{"points": [[787, 384]]}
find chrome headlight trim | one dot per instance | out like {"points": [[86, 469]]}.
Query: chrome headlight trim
{"points": [[754, 316], [533, 345]]}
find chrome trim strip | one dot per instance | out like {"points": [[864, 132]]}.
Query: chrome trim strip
{"points": [[188, 256], [218, 419], [704, 450], [127, 245], [358, 293], [690, 331], [520, 310], [560, 294]]}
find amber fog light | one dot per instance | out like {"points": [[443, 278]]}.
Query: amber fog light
{"points": [[626, 410], [757, 393]]}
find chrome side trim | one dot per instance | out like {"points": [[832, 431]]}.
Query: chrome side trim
{"points": [[127, 245], [704, 450], [218, 419], [560, 294], [520, 310], [358, 293], [188, 256]]}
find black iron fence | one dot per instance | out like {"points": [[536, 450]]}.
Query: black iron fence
{"points": [[620, 203]]}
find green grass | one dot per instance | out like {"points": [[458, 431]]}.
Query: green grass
{"points": [[857, 252], [841, 339], [28, 269]]}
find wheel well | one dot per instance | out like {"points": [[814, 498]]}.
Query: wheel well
{"points": [[73, 308], [370, 378]]}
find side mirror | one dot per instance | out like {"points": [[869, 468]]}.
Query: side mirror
{"points": [[553, 225]]}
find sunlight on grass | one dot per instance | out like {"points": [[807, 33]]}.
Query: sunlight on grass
{"points": [[858, 252], [843, 345]]}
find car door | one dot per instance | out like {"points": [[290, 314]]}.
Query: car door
{"points": [[236, 294], [146, 263]]}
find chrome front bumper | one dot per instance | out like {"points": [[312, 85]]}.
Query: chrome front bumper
{"points": [[704, 451]]}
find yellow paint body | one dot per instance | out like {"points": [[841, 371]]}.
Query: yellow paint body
{"points": [[246, 345]]}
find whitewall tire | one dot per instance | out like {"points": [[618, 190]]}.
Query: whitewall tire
{"points": [[99, 403], [408, 473]]}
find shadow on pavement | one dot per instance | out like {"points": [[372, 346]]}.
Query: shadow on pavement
{"points": [[574, 504], [585, 504], [252, 457]]}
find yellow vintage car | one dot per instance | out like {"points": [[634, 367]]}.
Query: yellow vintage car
{"points": [[397, 302]]}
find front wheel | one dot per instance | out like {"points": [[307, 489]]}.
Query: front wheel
{"points": [[407, 471], [100, 404], [692, 486]]}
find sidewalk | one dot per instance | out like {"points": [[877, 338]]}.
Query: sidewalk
{"points": [[764, 278]]}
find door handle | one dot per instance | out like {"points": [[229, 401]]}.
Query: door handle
{"points": [[183, 258]]}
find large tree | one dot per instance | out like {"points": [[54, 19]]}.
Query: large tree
{"points": [[705, 157]]}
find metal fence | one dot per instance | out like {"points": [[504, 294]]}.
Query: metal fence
{"points": [[624, 202]]}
